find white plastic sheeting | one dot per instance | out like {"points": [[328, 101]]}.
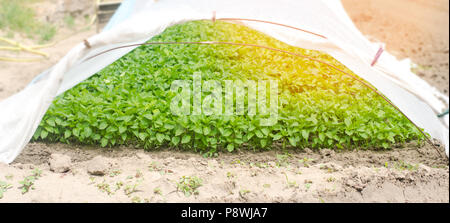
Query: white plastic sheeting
{"points": [[21, 114]]}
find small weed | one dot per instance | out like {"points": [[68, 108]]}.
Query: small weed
{"points": [[266, 185], [9, 177], [4, 186], [261, 165], [331, 179], [150, 124], [131, 188], [189, 185], [327, 168]]}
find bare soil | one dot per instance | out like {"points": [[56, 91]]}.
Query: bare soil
{"points": [[409, 174]]}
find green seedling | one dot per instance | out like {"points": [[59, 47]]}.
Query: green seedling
{"points": [[401, 165], [230, 175], [244, 192], [131, 188], [157, 190], [283, 159], [291, 184], [305, 161], [115, 173], [36, 173], [104, 187], [119, 185], [189, 185], [308, 184], [136, 199], [28, 182]]}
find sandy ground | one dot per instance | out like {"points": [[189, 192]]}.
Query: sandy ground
{"points": [[409, 174], [415, 29]]}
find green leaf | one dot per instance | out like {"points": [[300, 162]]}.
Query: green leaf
{"points": [[104, 142], [230, 147], [175, 140], [87, 132], [347, 122], [143, 136], [277, 136], [51, 122], [44, 134], [129, 101], [179, 131], [122, 129], [322, 136], [160, 137], [227, 132], [305, 134], [265, 131], [263, 143], [206, 130], [259, 134], [67, 134], [169, 126], [186, 139], [103, 125]]}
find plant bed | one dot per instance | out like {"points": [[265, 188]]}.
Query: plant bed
{"points": [[129, 101]]}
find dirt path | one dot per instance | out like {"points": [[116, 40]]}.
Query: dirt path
{"points": [[408, 174]]}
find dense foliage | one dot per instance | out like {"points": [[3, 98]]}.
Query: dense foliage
{"points": [[128, 102]]}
